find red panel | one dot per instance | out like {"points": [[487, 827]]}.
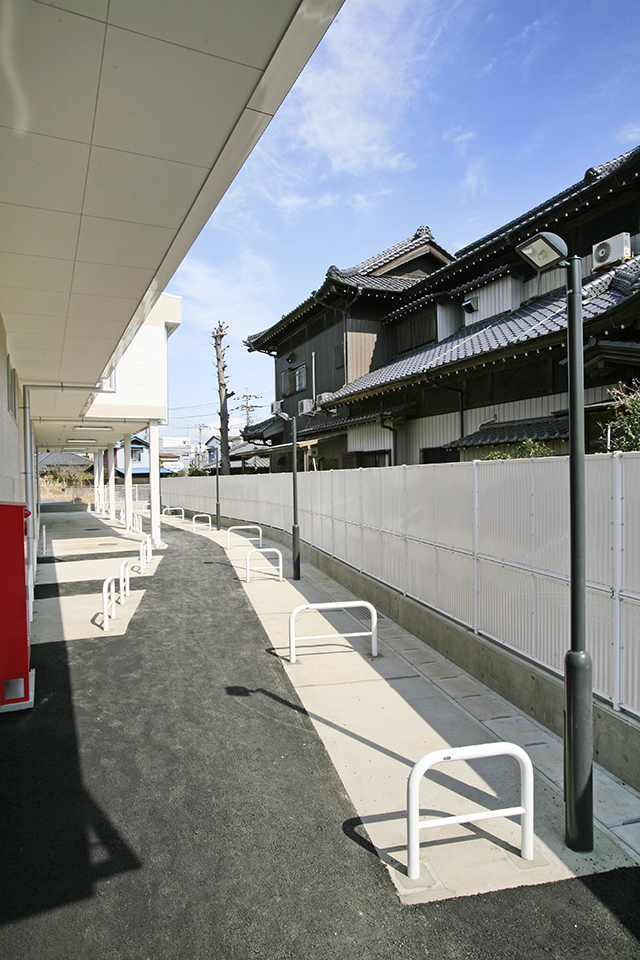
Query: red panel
{"points": [[14, 624]]}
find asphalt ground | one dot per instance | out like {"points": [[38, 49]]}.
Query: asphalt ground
{"points": [[168, 797]]}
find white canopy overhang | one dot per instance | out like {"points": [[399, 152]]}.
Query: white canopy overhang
{"points": [[122, 124]]}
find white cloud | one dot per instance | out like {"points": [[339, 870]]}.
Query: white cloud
{"points": [[239, 296], [489, 67], [474, 184], [351, 96], [347, 114], [528, 31], [630, 133], [459, 138]]}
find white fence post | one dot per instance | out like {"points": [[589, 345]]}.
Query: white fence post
{"points": [[618, 531]]}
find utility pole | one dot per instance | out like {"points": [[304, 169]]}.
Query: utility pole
{"points": [[217, 336], [201, 427], [248, 406]]}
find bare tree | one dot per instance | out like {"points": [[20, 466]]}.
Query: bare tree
{"points": [[217, 335]]}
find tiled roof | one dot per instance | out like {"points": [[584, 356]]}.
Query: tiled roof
{"points": [[337, 423], [421, 236], [516, 431], [257, 429], [545, 315], [48, 461], [388, 282]]}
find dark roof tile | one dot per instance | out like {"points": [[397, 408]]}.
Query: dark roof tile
{"points": [[515, 431], [422, 236]]}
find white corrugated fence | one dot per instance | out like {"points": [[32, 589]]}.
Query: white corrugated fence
{"points": [[485, 543]]}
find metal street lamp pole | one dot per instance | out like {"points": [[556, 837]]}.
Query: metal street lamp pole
{"points": [[542, 252], [578, 714], [217, 488], [295, 530]]}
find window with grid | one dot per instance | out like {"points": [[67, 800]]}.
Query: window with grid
{"points": [[294, 380]]}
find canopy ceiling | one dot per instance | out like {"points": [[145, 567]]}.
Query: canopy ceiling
{"points": [[122, 123]]}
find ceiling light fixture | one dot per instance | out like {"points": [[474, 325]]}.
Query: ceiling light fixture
{"points": [[92, 429]]}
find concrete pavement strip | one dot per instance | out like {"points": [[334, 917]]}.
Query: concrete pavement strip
{"points": [[377, 717], [80, 616]]}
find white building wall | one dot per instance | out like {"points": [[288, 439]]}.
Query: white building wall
{"points": [[141, 374], [11, 441]]}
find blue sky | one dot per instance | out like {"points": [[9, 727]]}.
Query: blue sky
{"points": [[458, 114]]}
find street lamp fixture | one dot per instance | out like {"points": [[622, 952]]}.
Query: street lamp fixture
{"points": [[295, 529], [542, 252]]}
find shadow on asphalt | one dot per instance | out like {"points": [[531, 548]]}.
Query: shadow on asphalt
{"points": [[619, 892], [56, 841]]}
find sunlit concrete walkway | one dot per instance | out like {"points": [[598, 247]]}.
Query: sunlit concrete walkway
{"points": [[180, 790], [377, 717]]}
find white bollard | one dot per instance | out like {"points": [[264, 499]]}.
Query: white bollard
{"points": [[108, 602], [124, 580], [474, 752]]}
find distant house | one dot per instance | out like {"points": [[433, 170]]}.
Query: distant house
{"points": [[60, 460], [139, 461], [417, 356]]}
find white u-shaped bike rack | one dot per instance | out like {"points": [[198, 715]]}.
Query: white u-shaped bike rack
{"points": [[143, 555], [124, 580], [136, 523], [346, 605], [263, 551], [169, 511], [198, 516], [475, 752], [259, 529], [108, 602]]}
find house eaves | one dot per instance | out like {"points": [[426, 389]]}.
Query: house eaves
{"points": [[597, 184], [497, 338], [452, 292], [335, 284], [337, 424]]}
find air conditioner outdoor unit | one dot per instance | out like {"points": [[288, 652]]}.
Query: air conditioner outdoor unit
{"points": [[305, 408], [612, 250], [276, 408], [323, 397]]}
